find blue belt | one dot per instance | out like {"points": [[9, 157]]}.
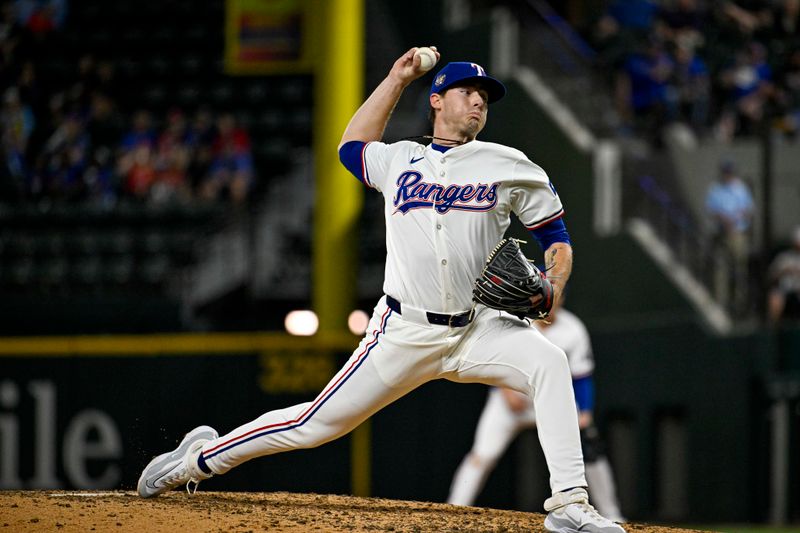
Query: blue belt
{"points": [[454, 321]]}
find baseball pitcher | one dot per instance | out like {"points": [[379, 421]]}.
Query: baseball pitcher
{"points": [[448, 312]]}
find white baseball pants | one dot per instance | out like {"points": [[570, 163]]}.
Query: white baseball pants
{"points": [[401, 352]]}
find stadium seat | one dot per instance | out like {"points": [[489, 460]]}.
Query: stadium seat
{"points": [[155, 97], [256, 93], [153, 270], [152, 242], [86, 271], [222, 94], [188, 95], [21, 271], [191, 66], [119, 270], [116, 242], [50, 245], [129, 68], [80, 246], [294, 90], [52, 272], [19, 245], [270, 121], [159, 66]]}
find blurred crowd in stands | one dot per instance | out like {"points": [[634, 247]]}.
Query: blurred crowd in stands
{"points": [[75, 143], [726, 70], [722, 67]]}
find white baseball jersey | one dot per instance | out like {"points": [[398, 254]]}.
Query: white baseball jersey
{"points": [[446, 211]]}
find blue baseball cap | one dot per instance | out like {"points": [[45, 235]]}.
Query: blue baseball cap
{"points": [[458, 72]]}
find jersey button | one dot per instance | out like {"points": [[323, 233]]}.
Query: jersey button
{"points": [[438, 226], [444, 261], [449, 296], [441, 173]]}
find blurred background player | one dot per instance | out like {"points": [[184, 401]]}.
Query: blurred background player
{"points": [[508, 412], [784, 278]]}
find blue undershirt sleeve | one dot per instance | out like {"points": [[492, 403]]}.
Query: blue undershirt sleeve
{"points": [[552, 232], [584, 393], [350, 154]]}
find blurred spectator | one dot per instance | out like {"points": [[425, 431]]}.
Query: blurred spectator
{"points": [[16, 125], [682, 23], [784, 279], [748, 84], [643, 89], [18, 120], [784, 35], [41, 19], [200, 136], [91, 78], [172, 161], [81, 87], [692, 87], [788, 81], [137, 169], [50, 120], [135, 163], [60, 171], [634, 15], [176, 131], [620, 29], [612, 45], [10, 26], [31, 91], [42, 14], [100, 178], [105, 79], [231, 171], [105, 124], [746, 16], [140, 133], [12, 35], [786, 19], [730, 205]]}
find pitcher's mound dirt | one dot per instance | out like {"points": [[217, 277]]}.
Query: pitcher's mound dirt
{"points": [[119, 511]]}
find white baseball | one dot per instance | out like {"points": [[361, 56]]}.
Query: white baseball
{"points": [[427, 57]]}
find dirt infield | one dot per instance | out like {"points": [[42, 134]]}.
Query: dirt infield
{"points": [[23, 511]]}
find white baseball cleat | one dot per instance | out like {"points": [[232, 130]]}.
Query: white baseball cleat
{"points": [[178, 467], [570, 512]]}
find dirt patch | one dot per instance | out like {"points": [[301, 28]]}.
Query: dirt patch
{"points": [[23, 511]]}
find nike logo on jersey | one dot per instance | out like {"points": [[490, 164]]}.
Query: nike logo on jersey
{"points": [[413, 193], [414, 160]]}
